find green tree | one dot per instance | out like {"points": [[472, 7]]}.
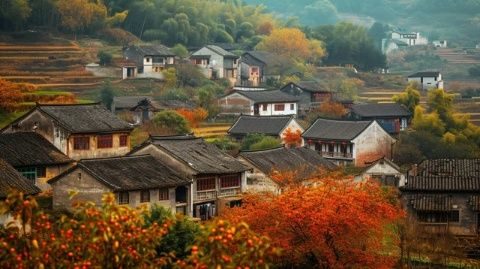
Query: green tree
{"points": [[105, 57], [180, 50], [267, 142], [171, 121], [15, 12], [410, 97], [107, 94]]}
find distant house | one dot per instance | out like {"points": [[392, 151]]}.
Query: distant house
{"points": [[216, 63], [218, 179], [140, 108], [443, 196], [258, 67], [275, 126], [349, 142], [384, 171], [80, 131], [258, 103], [134, 180], [304, 162], [440, 43], [427, 80], [12, 180], [33, 156], [146, 61], [392, 117], [399, 39], [310, 93]]}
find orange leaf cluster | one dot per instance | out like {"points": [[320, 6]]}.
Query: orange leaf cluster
{"points": [[291, 138], [335, 224], [333, 109], [193, 116], [12, 94]]}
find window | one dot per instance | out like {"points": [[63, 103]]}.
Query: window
{"points": [[292, 106], [123, 198], [204, 184], [264, 107], [144, 196], [41, 172], [29, 173], [147, 60], [81, 143], [438, 216], [104, 141], [123, 140], [230, 181], [279, 107], [163, 194]]}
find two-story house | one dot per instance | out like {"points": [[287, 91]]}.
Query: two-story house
{"points": [[392, 117], [146, 61], [427, 80], [33, 156], [260, 67], [349, 142], [216, 63], [80, 131], [383, 171], [310, 94], [218, 178], [443, 196], [275, 126], [258, 103], [135, 181]]}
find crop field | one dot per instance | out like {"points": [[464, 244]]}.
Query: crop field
{"points": [[211, 131]]}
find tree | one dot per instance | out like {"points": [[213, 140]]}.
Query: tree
{"points": [[107, 94], [79, 15], [180, 50], [288, 42], [16, 12], [105, 57], [428, 122], [11, 94], [193, 116], [336, 223], [171, 121], [332, 109], [291, 138], [410, 97]]}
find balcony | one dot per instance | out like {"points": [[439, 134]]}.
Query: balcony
{"points": [[230, 192], [343, 155], [213, 194]]}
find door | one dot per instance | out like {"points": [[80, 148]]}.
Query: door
{"points": [[256, 110]]}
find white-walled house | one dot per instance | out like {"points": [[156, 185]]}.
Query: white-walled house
{"points": [[259, 103], [349, 142], [427, 80], [384, 171], [398, 40], [440, 43], [216, 63], [146, 61]]}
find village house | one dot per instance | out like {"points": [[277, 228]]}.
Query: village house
{"points": [[443, 196], [427, 80], [349, 142], [80, 131], [218, 178], [399, 39], [33, 156], [146, 61], [275, 126], [392, 117], [384, 171], [260, 67], [216, 63], [310, 94], [440, 43], [258, 103], [135, 181], [305, 163]]}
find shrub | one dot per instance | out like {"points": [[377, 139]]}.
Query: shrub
{"points": [[267, 142], [474, 71], [171, 120], [105, 57], [118, 36]]}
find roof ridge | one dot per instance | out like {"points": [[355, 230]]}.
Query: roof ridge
{"points": [[37, 104], [115, 158], [263, 150]]}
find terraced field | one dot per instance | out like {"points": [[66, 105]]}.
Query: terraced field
{"points": [[459, 56]]}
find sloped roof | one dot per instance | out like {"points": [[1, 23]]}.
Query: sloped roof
{"points": [[128, 102], [136, 53], [380, 110], [425, 74], [303, 160], [221, 51], [336, 129], [445, 175], [30, 149], [269, 125], [10, 180], [129, 173], [309, 86], [85, 118], [431, 202], [202, 157], [271, 96]]}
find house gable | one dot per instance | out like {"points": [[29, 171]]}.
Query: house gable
{"points": [[371, 144]]}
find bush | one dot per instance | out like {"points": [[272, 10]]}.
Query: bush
{"points": [[225, 144], [172, 121], [118, 36], [474, 71], [180, 50], [267, 142], [105, 57]]}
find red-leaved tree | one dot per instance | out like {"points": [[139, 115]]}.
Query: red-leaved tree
{"points": [[292, 138], [193, 116]]}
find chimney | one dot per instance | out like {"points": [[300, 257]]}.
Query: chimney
{"points": [[414, 171]]}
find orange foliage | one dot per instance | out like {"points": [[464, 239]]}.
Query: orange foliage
{"points": [[265, 27], [288, 42], [335, 224], [291, 138], [12, 94], [333, 109], [193, 116]]}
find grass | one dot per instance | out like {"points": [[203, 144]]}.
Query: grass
{"points": [[6, 118]]}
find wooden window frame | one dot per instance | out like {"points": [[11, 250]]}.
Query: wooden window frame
{"points": [[279, 107], [123, 140], [105, 141], [292, 106], [264, 107], [145, 196], [206, 184], [123, 198], [230, 181], [81, 142], [163, 194]]}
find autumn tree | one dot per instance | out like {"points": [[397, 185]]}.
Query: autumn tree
{"points": [[193, 116], [332, 109], [11, 94], [292, 138], [80, 15], [336, 223], [410, 97]]}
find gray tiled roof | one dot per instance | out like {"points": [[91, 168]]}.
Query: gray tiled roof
{"points": [[303, 160], [85, 118], [336, 129], [10, 180], [380, 110], [198, 155], [269, 125], [310, 86], [425, 74], [274, 96], [137, 53], [30, 149], [130, 173], [221, 51], [127, 102]]}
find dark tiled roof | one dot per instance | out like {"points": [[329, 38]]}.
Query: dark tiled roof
{"points": [[130, 173], [136, 53], [310, 86], [268, 58], [446, 175], [430, 202], [305, 161], [10, 180], [128, 102], [29, 149], [221, 51], [85, 118], [336, 129], [198, 155], [475, 202], [380, 110], [425, 74], [275, 96], [269, 125]]}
